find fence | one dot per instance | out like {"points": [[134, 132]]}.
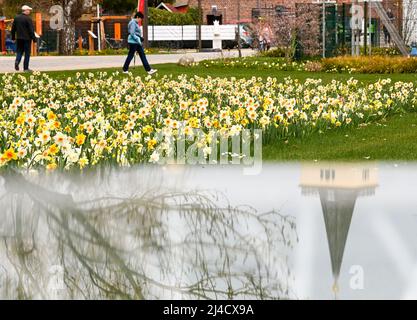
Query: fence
{"points": [[180, 37], [184, 33], [159, 36]]}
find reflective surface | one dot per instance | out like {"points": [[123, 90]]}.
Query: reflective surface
{"points": [[300, 231]]}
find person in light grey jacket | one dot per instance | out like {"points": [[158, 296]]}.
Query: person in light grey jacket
{"points": [[135, 45]]}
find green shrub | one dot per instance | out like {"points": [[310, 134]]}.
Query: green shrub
{"points": [[274, 53], [389, 51], [375, 51], [158, 17]]}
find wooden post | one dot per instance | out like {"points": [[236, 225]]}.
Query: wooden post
{"points": [[146, 25], [80, 43], [3, 36], [34, 49], [38, 23], [38, 30], [200, 22], [239, 45], [102, 35], [90, 45], [117, 31], [91, 42]]}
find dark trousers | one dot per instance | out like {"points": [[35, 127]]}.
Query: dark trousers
{"points": [[133, 48], [23, 47]]}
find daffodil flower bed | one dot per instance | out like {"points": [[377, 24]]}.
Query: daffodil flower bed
{"points": [[255, 63], [341, 64], [101, 119]]}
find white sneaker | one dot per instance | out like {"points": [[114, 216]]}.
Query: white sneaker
{"points": [[152, 71], [126, 72]]}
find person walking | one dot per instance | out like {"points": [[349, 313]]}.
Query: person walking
{"points": [[135, 44], [23, 34]]}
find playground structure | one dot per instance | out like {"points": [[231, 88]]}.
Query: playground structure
{"points": [[3, 30], [45, 38], [6, 45]]}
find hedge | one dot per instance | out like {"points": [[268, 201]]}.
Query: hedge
{"points": [[367, 64], [158, 17]]}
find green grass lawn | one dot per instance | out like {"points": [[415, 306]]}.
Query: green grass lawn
{"points": [[394, 138], [217, 71], [167, 69], [175, 70]]}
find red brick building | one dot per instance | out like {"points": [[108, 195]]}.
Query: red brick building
{"points": [[228, 9]]}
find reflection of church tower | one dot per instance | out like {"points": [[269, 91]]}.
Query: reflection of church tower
{"points": [[338, 187]]}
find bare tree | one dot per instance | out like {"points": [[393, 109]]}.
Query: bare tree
{"points": [[409, 20], [300, 27], [72, 12]]}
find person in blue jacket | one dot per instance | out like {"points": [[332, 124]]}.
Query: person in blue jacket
{"points": [[413, 52], [135, 44]]}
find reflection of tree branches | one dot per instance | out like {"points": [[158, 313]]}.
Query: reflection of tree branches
{"points": [[26, 259], [160, 243], [95, 277]]}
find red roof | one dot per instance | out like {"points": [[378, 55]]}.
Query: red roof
{"points": [[169, 7]]}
